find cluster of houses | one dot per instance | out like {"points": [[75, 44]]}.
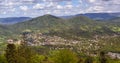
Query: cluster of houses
{"points": [[39, 39]]}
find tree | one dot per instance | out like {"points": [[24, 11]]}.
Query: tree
{"points": [[89, 60], [2, 59], [64, 56], [102, 57], [38, 58], [11, 53], [25, 52], [80, 60]]}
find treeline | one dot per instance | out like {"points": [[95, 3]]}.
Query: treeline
{"points": [[25, 54]]}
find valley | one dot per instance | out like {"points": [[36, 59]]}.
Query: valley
{"points": [[83, 35]]}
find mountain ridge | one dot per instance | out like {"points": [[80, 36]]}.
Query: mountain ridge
{"points": [[13, 20], [96, 16]]}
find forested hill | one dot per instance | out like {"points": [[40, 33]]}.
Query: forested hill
{"points": [[45, 23], [4, 30], [76, 26]]}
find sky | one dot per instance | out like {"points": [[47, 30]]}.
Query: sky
{"points": [[34, 8]]}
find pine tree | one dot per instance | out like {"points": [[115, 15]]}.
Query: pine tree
{"points": [[11, 53], [89, 60], [102, 57]]}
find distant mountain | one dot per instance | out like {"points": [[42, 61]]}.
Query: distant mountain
{"points": [[13, 20], [114, 21], [117, 20], [96, 16]]}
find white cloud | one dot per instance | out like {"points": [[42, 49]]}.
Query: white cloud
{"points": [[10, 4], [4, 12], [59, 7], [48, 12], [68, 6], [98, 8], [13, 9], [92, 1], [27, 1], [24, 8], [55, 0], [50, 4], [80, 1], [38, 6], [94, 9]]}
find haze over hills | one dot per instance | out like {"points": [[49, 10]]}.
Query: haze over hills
{"points": [[117, 20], [94, 16], [97, 16], [13, 20]]}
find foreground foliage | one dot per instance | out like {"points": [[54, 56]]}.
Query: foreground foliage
{"points": [[27, 55]]}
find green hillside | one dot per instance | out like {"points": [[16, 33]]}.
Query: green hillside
{"points": [[4, 30], [79, 26], [43, 23]]}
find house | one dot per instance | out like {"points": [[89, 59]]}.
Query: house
{"points": [[114, 55], [10, 41]]}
